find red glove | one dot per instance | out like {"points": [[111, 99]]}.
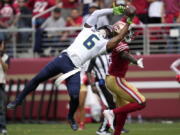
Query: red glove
{"points": [[178, 78]]}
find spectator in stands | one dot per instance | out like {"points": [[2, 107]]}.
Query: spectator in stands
{"points": [[155, 11], [25, 14], [74, 20], [54, 21], [39, 6], [171, 14], [103, 20], [171, 11], [9, 17], [4, 61], [85, 4], [108, 3], [24, 20], [141, 9], [68, 5]]}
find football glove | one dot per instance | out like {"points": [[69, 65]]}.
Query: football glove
{"points": [[119, 10], [129, 20], [140, 63]]}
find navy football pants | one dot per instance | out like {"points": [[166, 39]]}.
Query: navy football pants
{"points": [[60, 64]]}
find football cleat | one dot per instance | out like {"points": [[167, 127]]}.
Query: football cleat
{"points": [[124, 131], [3, 131], [109, 115], [103, 133], [72, 123], [13, 105]]}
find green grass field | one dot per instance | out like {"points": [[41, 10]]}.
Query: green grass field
{"points": [[64, 129]]}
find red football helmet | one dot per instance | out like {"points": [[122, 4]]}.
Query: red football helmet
{"points": [[118, 26]]}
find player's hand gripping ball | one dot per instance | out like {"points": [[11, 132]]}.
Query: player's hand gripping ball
{"points": [[178, 78], [130, 11]]}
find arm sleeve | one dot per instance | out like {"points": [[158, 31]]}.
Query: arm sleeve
{"points": [[105, 20], [122, 48], [93, 18], [174, 66], [126, 55]]}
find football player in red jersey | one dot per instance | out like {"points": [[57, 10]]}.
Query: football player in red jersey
{"points": [[128, 98]]}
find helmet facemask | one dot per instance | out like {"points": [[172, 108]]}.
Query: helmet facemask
{"points": [[130, 36], [119, 26], [107, 31]]}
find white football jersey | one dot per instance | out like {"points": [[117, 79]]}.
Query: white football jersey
{"points": [[88, 44]]}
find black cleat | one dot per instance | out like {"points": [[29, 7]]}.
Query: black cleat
{"points": [[72, 123], [13, 105]]}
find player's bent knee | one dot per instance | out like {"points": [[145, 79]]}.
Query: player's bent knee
{"points": [[143, 99]]}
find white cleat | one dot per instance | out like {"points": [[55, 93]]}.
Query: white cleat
{"points": [[103, 133], [109, 115]]}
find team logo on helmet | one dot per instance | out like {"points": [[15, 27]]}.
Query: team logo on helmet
{"points": [[118, 26]]}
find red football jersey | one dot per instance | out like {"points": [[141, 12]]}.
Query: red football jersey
{"points": [[7, 11], [69, 4], [119, 66], [39, 6], [77, 21]]}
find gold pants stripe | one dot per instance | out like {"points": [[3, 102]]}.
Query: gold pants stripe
{"points": [[123, 91], [128, 89]]}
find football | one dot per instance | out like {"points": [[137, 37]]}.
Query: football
{"points": [[130, 10]]}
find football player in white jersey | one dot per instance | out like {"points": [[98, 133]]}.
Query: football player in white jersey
{"points": [[87, 45]]}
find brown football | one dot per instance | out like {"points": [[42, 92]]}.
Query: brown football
{"points": [[130, 10]]}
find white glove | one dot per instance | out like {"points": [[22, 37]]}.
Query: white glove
{"points": [[140, 63]]}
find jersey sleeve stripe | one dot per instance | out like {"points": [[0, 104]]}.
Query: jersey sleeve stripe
{"points": [[121, 48]]}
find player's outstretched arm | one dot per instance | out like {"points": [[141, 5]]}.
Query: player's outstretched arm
{"points": [[130, 58], [93, 18], [113, 42]]}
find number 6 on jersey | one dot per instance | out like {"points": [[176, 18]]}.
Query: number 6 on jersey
{"points": [[90, 41]]}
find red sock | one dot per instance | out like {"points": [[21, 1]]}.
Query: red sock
{"points": [[120, 121], [131, 107]]}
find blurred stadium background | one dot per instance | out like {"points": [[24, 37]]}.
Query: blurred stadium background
{"points": [[158, 42]]}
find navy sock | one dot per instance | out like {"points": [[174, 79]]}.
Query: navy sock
{"points": [[74, 103]]}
